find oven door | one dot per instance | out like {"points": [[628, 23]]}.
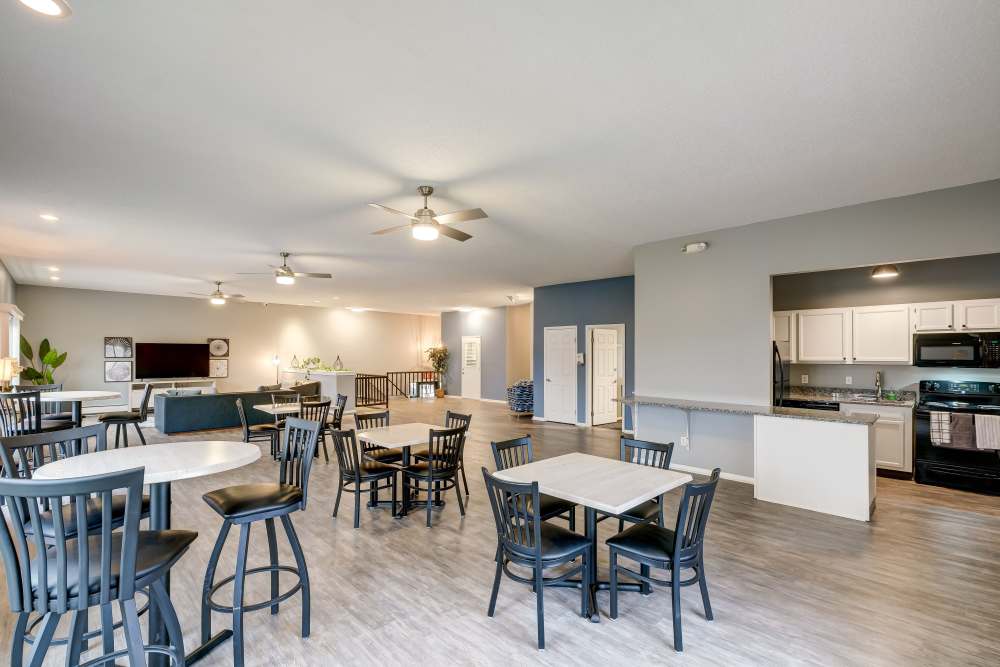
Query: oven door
{"points": [[948, 350]]}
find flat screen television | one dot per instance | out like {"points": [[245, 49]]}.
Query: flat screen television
{"points": [[171, 360]]}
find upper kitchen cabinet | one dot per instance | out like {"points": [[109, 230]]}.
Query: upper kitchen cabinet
{"points": [[981, 315], [882, 334], [824, 335], [937, 316], [783, 334]]}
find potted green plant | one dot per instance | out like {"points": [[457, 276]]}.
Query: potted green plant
{"points": [[49, 359], [438, 357]]}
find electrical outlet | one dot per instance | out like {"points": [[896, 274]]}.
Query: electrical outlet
{"points": [[849, 380], [685, 441], [805, 379]]}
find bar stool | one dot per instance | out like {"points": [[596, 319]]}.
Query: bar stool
{"points": [[245, 504], [121, 420]]}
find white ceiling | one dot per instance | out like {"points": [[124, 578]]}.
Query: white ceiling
{"points": [[185, 141]]}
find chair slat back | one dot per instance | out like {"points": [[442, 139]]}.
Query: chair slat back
{"points": [[144, 405], [243, 419], [457, 420], [692, 517], [47, 408], [38, 571], [21, 455], [315, 411], [653, 454], [20, 412], [371, 420], [444, 449], [285, 399], [512, 453], [516, 513], [298, 446], [338, 411], [345, 443]]}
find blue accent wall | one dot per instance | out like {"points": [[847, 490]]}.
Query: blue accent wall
{"points": [[610, 301], [491, 325]]}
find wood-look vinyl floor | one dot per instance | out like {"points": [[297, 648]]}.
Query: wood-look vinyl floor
{"points": [[919, 585]]}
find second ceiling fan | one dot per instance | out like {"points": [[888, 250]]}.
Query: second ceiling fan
{"points": [[426, 225]]}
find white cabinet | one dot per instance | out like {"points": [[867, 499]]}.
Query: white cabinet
{"points": [[893, 434], [937, 316], [981, 315], [783, 333], [824, 335], [881, 334]]}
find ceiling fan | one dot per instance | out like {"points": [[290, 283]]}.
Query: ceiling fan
{"points": [[425, 225], [218, 297], [284, 275]]}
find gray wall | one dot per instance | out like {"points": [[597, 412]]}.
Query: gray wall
{"points": [[703, 321], [610, 301], [76, 321], [491, 325], [8, 288], [936, 280]]}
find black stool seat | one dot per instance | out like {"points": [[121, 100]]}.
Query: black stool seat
{"points": [[559, 543], [263, 428], [157, 551], [642, 512], [423, 468], [244, 500], [112, 417], [550, 506], [384, 454], [93, 514], [646, 540]]}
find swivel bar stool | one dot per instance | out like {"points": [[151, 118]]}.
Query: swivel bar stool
{"points": [[244, 504]]}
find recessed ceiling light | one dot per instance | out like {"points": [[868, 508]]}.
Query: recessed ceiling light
{"points": [[465, 309], [692, 248], [315, 300], [884, 271], [54, 8], [54, 269], [48, 217], [355, 309], [336, 298], [53, 277]]}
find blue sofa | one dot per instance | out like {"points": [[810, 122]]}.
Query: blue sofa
{"points": [[178, 414]]}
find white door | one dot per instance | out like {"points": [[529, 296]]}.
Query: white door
{"points": [[559, 367], [933, 316], [472, 367], [979, 314], [604, 381], [882, 334], [825, 335]]}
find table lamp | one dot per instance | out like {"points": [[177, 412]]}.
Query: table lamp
{"points": [[9, 369]]}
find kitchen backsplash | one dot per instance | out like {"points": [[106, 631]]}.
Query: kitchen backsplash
{"points": [[895, 377]]}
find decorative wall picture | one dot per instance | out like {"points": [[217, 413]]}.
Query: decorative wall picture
{"points": [[218, 368], [218, 347], [117, 371], [117, 347]]}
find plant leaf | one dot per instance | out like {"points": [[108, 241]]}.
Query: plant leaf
{"points": [[43, 349], [30, 374], [48, 377], [26, 350], [50, 356], [59, 359]]}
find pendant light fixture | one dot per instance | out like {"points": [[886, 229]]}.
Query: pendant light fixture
{"points": [[58, 9]]}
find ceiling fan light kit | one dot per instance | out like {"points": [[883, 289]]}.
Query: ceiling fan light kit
{"points": [[285, 275], [426, 225], [218, 297], [58, 9]]}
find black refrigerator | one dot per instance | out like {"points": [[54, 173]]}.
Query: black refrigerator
{"points": [[780, 376]]}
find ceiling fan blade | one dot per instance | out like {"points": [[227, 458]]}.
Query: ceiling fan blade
{"points": [[461, 216], [256, 273], [312, 275], [392, 210], [453, 233], [200, 294], [388, 230], [233, 296]]}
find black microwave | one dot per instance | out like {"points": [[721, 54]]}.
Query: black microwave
{"points": [[957, 350]]}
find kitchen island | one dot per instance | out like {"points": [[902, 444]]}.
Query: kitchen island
{"points": [[819, 460], [331, 383]]}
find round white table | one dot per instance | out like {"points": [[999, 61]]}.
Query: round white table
{"points": [[77, 399], [164, 463]]}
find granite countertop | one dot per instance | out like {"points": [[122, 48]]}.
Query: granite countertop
{"points": [[749, 409], [907, 399]]}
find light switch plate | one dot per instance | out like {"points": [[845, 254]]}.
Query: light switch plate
{"points": [[849, 380], [805, 379], [685, 441]]}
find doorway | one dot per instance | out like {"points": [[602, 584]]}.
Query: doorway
{"points": [[559, 366], [472, 367], [605, 374]]}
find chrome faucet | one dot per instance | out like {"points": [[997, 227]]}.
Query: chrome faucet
{"points": [[878, 385]]}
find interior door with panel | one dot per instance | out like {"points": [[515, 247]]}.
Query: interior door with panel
{"points": [[559, 366], [938, 316], [824, 335], [882, 334], [981, 314], [783, 333], [472, 367], [604, 377]]}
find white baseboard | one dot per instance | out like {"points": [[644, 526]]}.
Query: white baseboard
{"points": [[582, 424], [492, 400], [538, 419], [743, 479], [628, 432]]}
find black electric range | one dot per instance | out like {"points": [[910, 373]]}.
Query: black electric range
{"points": [[966, 469]]}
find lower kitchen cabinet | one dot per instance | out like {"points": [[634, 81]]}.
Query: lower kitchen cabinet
{"points": [[893, 434]]}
